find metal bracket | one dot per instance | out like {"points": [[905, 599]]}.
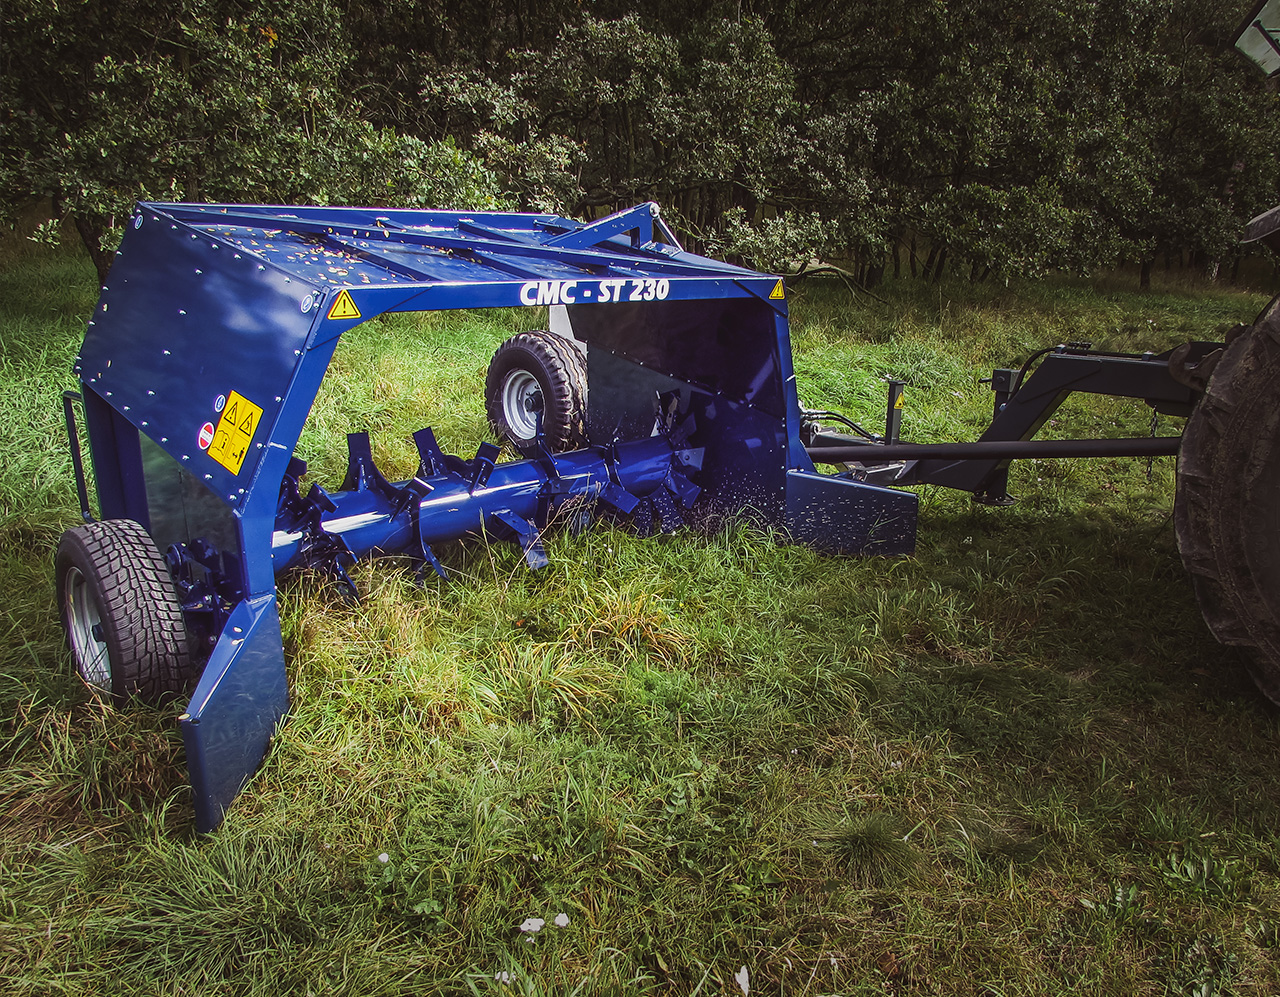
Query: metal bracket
{"points": [[69, 398], [527, 535], [483, 464]]}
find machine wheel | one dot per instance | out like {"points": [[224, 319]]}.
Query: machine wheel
{"points": [[532, 370], [119, 608], [1227, 511]]}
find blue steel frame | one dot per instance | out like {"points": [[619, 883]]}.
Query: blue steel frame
{"points": [[214, 305]]}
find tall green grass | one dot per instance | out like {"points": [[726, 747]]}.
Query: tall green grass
{"points": [[1014, 763]]}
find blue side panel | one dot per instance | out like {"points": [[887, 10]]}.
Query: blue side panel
{"points": [[186, 320], [241, 698], [117, 461], [842, 516]]}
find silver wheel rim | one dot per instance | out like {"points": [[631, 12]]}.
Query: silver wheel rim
{"points": [[83, 617], [521, 395]]}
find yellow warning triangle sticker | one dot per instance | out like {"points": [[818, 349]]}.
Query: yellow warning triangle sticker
{"points": [[344, 307], [777, 294]]}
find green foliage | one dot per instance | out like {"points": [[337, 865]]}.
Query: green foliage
{"points": [[1007, 141], [206, 101], [1001, 141]]}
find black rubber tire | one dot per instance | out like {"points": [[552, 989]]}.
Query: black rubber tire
{"points": [[110, 574], [1227, 510], [561, 375]]}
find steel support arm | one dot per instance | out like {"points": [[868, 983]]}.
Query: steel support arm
{"points": [[1020, 415]]}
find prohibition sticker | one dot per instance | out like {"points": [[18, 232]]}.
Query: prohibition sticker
{"points": [[344, 307], [234, 433], [777, 294], [206, 435]]}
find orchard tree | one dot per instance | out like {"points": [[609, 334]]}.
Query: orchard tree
{"points": [[113, 101]]}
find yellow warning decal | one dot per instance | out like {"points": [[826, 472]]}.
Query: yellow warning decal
{"points": [[234, 432], [777, 294], [897, 402], [344, 307]]}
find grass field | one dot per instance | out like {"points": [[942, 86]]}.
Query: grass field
{"points": [[1014, 763]]}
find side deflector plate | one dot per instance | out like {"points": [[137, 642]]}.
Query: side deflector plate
{"points": [[842, 516], [242, 696]]}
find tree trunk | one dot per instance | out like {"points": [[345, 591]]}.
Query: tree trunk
{"points": [[928, 264], [91, 232], [1144, 276], [942, 265], [912, 257]]}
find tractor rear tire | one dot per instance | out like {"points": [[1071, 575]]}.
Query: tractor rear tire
{"points": [[1227, 510], [532, 372], [120, 611]]}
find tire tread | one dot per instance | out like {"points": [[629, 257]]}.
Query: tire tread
{"points": [[138, 604], [1227, 497], [562, 374]]}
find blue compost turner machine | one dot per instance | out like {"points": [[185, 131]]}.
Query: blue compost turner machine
{"points": [[664, 392], [205, 353]]}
